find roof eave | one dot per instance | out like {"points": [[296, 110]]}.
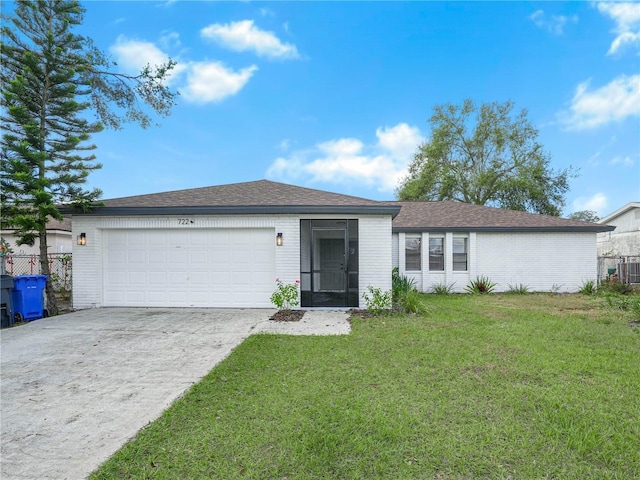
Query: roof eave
{"points": [[243, 210], [574, 229]]}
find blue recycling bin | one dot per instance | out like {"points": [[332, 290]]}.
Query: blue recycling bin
{"points": [[27, 297]]}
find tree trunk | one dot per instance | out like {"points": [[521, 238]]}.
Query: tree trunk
{"points": [[51, 305]]}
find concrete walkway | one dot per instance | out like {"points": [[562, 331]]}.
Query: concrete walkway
{"points": [[76, 387]]}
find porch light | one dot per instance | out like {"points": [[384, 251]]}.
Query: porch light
{"points": [[279, 239], [82, 239]]}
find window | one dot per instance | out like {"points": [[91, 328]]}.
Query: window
{"points": [[412, 254], [436, 253], [460, 252]]}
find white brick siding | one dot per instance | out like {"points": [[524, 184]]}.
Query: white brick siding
{"points": [[375, 253], [541, 261], [374, 243]]}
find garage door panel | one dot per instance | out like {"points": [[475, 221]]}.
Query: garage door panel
{"points": [[205, 268], [179, 257], [158, 278], [157, 297], [199, 279], [159, 257], [136, 297]]}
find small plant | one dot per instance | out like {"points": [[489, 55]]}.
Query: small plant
{"points": [[401, 284], [377, 301], [286, 295], [555, 288], [588, 288], [480, 285], [442, 288], [616, 287], [635, 308], [618, 302], [518, 289], [412, 302]]}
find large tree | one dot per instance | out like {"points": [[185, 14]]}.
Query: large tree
{"points": [[485, 155], [51, 79], [585, 216]]}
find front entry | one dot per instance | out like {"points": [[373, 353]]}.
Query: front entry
{"points": [[329, 263]]}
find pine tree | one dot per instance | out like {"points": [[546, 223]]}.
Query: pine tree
{"points": [[50, 78]]}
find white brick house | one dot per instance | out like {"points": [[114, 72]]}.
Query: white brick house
{"points": [[224, 246]]}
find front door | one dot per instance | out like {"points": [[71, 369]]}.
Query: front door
{"points": [[328, 263]]}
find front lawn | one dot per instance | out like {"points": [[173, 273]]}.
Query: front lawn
{"points": [[497, 386]]}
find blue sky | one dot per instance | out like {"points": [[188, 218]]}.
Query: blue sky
{"points": [[336, 95]]}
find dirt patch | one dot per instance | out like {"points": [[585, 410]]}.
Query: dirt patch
{"points": [[355, 312], [287, 316]]}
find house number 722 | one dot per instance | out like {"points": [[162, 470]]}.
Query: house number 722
{"points": [[185, 221]]}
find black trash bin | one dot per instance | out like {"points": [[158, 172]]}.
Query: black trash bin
{"points": [[6, 305]]}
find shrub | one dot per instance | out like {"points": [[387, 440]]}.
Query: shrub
{"points": [[442, 288], [588, 288], [518, 289], [377, 301], [405, 296], [616, 287], [401, 284], [481, 285], [285, 296], [626, 303], [412, 302]]}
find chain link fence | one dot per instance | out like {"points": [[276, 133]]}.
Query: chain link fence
{"points": [[60, 266], [620, 269]]}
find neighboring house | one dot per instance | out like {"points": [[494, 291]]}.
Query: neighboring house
{"points": [[625, 239], [224, 246], [58, 239]]}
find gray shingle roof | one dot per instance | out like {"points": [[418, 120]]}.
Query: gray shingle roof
{"points": [[259, 197], [258, 193], [267, 197], [452, 216]]}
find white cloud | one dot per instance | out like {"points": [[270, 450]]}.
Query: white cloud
{"points": [[245, 36], [615, 101], [198, 82], [554, 24], [212, 81], [170, 40], [627, 19], [597, 203], [626, 161], [284, 145], [345, 160], [267, 12], [133, 55]]}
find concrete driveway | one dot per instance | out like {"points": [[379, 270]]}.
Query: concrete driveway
{"points": [[76, 387]]}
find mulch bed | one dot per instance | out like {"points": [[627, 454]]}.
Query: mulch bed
{"points": [[287, 316]]}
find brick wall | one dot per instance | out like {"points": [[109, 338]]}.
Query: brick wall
{"points": [[540, 261]]}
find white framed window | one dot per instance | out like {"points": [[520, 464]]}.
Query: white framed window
{"points": [[460, 254], [436, 254], [413, 253]]}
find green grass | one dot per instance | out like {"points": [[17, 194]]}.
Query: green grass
{"points": [[493, 386]]}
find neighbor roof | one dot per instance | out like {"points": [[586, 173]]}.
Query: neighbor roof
{"points": [[262, 196], [456, 216], [620, 211]]}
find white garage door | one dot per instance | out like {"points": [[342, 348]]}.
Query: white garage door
{"points": [[189, 268]]}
